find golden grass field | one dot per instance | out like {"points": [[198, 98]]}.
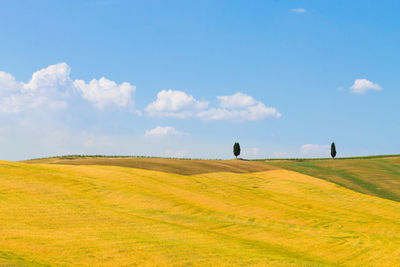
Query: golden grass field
{"points": [[85, 215], [178, 166]]}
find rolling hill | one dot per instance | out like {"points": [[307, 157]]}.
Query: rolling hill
{"points": [[376, 175], [177, 166], [53, 214]]}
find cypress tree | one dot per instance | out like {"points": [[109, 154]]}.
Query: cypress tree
{"points": [[333, 150], [236, 149]]}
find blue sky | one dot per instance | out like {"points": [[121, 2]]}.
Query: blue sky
{"points": [[189, 78]]}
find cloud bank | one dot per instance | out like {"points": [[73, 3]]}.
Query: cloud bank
{"points": [[236, 107], [52, 88]]}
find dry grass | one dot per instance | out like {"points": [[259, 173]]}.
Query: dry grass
{"points": [[177, 166], [114, 216]]}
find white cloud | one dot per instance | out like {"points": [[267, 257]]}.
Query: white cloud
{"points": [[43, 90], [52, 88], [176, 104], [363, 85], [298, 10], [237, 100], [160, 131], [315, 150], [8, 82], [237, 107], [53, 78], [103, 92], [254, 113]]}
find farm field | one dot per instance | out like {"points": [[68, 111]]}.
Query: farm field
{"points": [[377, 176], [53, 214], [177, 166]]}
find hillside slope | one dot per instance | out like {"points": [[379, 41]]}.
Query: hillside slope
{"points": [[108, 216], [177, 166], [377, 176]]}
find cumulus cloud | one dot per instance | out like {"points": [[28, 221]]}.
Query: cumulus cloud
{"points": [[237, 100], [50, 79], [298, 10], [314, 150], [8, 83], [361, 86], [237, 107], [52, 88], [103, 92], [176, 104], [160, 131], [43, 90]]}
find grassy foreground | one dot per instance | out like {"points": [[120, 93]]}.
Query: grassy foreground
{"points": [[377, 175], [108, 215]]}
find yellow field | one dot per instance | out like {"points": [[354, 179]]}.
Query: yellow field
{"points": [[178, 166], [116, 216]]}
